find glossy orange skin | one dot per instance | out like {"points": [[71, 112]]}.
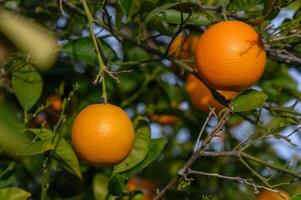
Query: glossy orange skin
{"points": [[230, 56], [164, 119], [146, 186], [269, 195], [102, 134], [201, 96]]}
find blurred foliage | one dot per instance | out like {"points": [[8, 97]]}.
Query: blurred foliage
{"points": [[133, 36]]}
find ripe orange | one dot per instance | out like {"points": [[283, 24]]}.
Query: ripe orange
{"points": [[163, 119], [269, 195], [146, 186], [177, 46], [183, 47], [201, 96], [230, 56], [102, 134], [56, 102]]}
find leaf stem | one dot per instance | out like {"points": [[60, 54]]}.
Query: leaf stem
{"points": [[102, 68]]}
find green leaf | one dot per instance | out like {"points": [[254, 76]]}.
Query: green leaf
{"points": [[155, 149], [177, 194], [296, 197], [129, 7], [188, 8], [67, 158], [100, 187], [14, 193], [117, 184], [83, 49], [27, 84], [38, 147], [281, 88], [158, 10], [271, 9], [175, 17], [244, 4], [276, 123], [136, 54], [140, 149], [248, 100], [42, 133], [11, 138]]}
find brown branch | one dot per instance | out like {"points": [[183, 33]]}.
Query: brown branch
{"points": [[282, 55], [183, 171], [232, 178], [239, 154]]}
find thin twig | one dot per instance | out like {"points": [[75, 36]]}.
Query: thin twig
{"points": [[239, 154], [232, 178], [102, 67], [196, 145], [183, 171]]}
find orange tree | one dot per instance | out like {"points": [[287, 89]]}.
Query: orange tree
{"points": [[59, 57]]}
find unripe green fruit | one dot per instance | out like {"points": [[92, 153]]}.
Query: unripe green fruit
{"points": [[30, 38]]}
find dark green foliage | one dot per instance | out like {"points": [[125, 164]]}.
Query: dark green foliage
{"points": [[133, 36]]}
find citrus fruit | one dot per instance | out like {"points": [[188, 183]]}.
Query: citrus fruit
{"points": [[163, 119], [102, 134], [56, 102], [146, 186], [269, 195], [230, 56], [182, 47], [201, 96], [177, 46]]}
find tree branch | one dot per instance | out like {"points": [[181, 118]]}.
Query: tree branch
{"points": [[232, 178]]}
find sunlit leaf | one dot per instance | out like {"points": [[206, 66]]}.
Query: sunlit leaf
{"points": [[176, 17], [67, 158], [38, 147], [158, 10], [248, 100], [155, 149], [140, 149], [14, 193], [42, 133]]}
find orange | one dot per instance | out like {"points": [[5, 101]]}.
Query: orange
{"points": [[230, 56], [201, 96], [183, 47], [102, 134], [56, 102], [146, 186], [269, 195], [163, 119], [192, 41], [177, 46]]}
